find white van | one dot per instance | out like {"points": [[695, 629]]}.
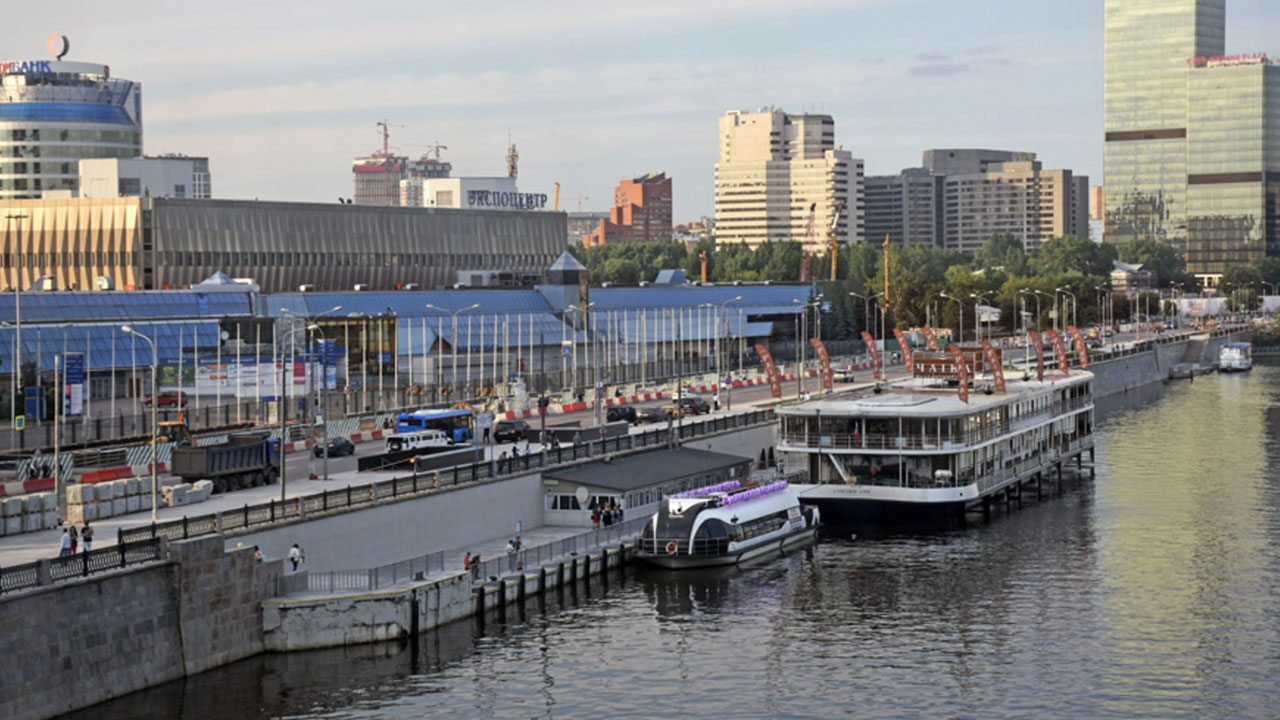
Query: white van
{"points": [[417, 440]]}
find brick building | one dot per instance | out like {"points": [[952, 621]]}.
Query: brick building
{"points": [[641, 212]]}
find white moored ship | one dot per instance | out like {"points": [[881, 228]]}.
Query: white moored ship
{"points": [[726, 524], [1236, 356], [914, 448]]}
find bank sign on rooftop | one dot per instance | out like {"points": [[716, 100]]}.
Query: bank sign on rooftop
{"points": [[18, 67]]}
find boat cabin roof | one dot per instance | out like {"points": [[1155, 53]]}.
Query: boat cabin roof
{"points": [[933, 397]]}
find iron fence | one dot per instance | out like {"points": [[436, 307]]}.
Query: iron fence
{"points": [[21, 577], [545, 553], [382, 576]]}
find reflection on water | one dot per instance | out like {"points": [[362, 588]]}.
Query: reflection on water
{"points": [[1148, 592]]}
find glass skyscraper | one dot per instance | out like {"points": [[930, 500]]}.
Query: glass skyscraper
{"points": [[1192, 139]]}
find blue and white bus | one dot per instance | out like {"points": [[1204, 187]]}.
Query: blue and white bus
{"points": [[456, 424]]}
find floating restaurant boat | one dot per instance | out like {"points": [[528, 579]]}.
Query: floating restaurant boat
{"points": [[726, 524], [1236, 356], [940, 442]]}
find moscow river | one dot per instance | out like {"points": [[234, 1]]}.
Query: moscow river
{"points": [[1152, 591]]}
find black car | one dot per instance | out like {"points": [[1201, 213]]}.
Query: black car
{"points": [[510, 431], [694, 405], [626, 412], [338, 446], [651, 415]]}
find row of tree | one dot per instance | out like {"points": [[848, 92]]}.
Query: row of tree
{"points": [[936, 285]]}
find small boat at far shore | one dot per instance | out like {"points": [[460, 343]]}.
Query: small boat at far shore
{"points": [[1236, 356], [726, 524]]}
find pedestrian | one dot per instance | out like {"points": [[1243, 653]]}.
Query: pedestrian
{"points": [[257, 555], [466, 561], [519, 543], [619, 519], [595, 519], [295, 556], [86, 536], [511, 556], [577, 438], [555, 441], [65, 548], [715, 402], [475, 566], [75, 539]]}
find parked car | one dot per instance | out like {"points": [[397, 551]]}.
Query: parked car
{"points": [[694, 405], [338, 446], [626, 412], [167, 398], [671, 412], [510, 431], [842, 376]]}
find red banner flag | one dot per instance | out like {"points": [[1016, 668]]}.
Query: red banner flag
{"points": [[1082, 350], [902, 344], [931, 338], [1059, 351], [770, 370], [824, 363], [962, 371], [871, 348], [993, 362], [1038, 341]]}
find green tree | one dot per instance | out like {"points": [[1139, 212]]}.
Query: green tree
{"points": [[1239, 277], [1070, 254], [1244, 299], [1158, 257], [1002, 252]]}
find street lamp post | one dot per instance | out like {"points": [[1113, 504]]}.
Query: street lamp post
{"points": [[578, 313], [728, 387], [453, 344], [310, 324], [961, 313], [977, 317], [155, 402], [17, 319]]}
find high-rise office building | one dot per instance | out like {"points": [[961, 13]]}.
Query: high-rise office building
{"points": [[1192, 153], [781, 177], [961, 197], [641, 212], [53, 114], [906, 208]]}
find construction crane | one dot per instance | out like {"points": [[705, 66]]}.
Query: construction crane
{"points": [[436, 147], [702, 257], [579, 198], [513, 157], [805, 260], [833, 245], [385, 126]]}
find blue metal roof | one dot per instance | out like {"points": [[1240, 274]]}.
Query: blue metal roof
{"points": [[756, 299], [478, 332], [105, 343], [64, 112], [60, 307], [407, 303]]}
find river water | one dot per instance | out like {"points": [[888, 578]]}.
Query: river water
{"points": [[1152, 591]]}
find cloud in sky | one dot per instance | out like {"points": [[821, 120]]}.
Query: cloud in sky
{"points": [[281, 96]]}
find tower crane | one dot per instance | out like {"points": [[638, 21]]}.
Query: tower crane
{"points": [[833, 245], [384, 126]]}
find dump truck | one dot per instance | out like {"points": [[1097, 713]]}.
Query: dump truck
{"points": [[245, 460]]}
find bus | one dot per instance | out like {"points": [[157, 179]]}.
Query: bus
{"points": [[456, 424]]}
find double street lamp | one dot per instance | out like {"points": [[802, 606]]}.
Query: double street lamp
{"points": [[453, 344], [1074, 303], [728, 387], [324, 387], [961, 313], [155, 403], [977, 316]]}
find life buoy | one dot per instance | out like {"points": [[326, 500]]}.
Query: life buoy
{"points": [[672, 547]]}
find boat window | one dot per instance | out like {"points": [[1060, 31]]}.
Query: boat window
{"points": [[713, 529]]}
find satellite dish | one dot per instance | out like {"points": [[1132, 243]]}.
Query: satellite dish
{"points": [[58, 45], [582, 494], [226, 335]]}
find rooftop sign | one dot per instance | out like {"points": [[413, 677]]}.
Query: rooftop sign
{"points": [[1229, 60]]}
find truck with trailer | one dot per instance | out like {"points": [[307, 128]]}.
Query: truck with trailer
{"points": [[245, 460]]}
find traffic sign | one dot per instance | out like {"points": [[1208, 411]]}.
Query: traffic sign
{"points": [[19, 422]]}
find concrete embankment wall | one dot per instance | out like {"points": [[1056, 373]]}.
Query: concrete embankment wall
{"points": [[370, 617], [1134, 371], [81, 642]]}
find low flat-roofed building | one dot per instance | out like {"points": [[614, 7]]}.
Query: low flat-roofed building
{"points": [[635, 482], [158, 243]]}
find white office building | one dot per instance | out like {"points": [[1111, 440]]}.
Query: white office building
{"points": [[171, 176], [473, 193], [781, 177]]}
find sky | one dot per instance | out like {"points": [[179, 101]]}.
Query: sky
{"points": [[282, 95]]}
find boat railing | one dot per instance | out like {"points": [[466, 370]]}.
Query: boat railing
{"points": [[957, 441], [698, 547]]}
